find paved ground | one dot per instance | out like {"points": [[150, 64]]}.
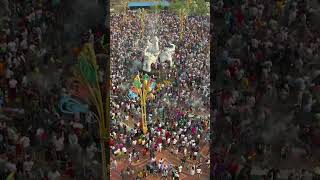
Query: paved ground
{"points": [[167, 157]]}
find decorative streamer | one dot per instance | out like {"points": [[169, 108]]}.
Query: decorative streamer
{"points": [[87, 70], [137, 84], [153, 85], [104, 41], [132, 95], [146, 77], [135, 90], [69, 105]]}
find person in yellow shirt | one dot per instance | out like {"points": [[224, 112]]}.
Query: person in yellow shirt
{"points": [[280, 5], [245, 83]]}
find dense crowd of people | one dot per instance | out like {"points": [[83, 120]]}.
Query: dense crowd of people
{"points": [[37, 140], [178, 117], [266, 97], [265, 101]]}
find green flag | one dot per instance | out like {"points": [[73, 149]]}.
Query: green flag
{"points": [[104, 41]]}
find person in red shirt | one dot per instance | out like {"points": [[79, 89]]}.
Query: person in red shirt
{"points": [[144, 151], [233, 168], [168, 135], [239, 17], [69, 171]]}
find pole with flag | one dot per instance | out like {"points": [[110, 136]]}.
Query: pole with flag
{"points": [[86, 73]]}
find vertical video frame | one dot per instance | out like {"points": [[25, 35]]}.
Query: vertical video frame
{"points": [[160, 90]]}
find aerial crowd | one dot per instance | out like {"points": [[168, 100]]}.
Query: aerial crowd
{"points": [[37, 140], [266, 96], [178, 117]]}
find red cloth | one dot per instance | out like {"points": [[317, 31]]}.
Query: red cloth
{"points": [[77, 131], [18, 149], [316, 88], [69, 171], [43, 136], [252, 79], [144, 151], [168, 135], [12, 94], [233, 168], [193, 131], [121, 146], [99, 34], [111, 142], [316, 138], [159, 140], [233, 70], [240, 18], [259, 56]]}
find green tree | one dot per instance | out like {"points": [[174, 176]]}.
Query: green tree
{"points": [[195, 7], [182, 9], [158, 8], [200, 7]]}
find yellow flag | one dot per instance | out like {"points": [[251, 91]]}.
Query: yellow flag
{"points": [[137, 78], [11, 176]]}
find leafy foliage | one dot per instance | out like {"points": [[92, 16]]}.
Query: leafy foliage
{"points": [[190, 7]]}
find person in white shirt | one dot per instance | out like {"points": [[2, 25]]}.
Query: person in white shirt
{"points": [[116, 152], [101, 76], [25, 141], [24, 44], [59, 146], [134, 142], [9, 73], [192, 171], [153, 160], [199, 172], [73, 140], [24, 82], [130, 159], [124, 150], [159, 147], [185, 151], [91, 150], [11, 167], [176, 151], [54, 175], [12, 135], [25, 34], [161, 161], [27, 166], [168, 141], [180, 169], [160, 164], [12, 46], [195, 155], [174, 141], [13, 83], [114, 164]]}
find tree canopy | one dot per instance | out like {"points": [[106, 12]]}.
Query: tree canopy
{"points": [[190, 7]]}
